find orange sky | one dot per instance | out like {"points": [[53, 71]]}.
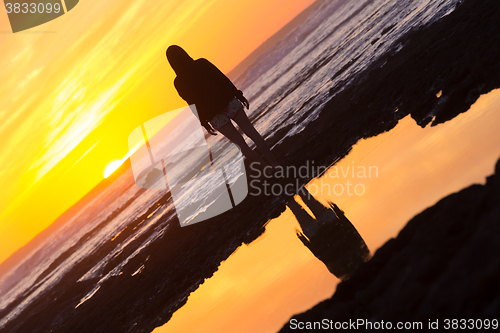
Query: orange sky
{"points": [[258, 287], [74, 88]]}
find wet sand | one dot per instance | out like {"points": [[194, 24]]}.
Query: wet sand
{"points": [[457, 55]]}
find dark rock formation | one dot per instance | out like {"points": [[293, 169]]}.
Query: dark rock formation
{"points": [[457, 55], [444, 264]]}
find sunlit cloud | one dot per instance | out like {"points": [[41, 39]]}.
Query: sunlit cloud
{"points": [[60, 87], [70, 130]]}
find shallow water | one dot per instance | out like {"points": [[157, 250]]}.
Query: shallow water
{"points": [[261, 285], [350, 37], [294, 89]]}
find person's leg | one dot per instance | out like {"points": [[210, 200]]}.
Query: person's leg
{"points": [[230, 132], [246, 126]]}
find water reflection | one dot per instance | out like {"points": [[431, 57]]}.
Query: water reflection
{"points": [[261, 285], [330, 236]]}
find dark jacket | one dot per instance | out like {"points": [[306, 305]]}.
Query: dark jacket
{"points": [[207, 87]]}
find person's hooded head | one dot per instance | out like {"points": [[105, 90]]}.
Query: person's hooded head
{"points": [[180, 61]]}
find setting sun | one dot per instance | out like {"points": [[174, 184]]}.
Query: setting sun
{"points": [[112, 167]]}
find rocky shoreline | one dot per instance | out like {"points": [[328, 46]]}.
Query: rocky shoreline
{"points": [[443, 265], [457, 55]]}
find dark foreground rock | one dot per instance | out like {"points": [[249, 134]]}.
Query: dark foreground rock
{"points": [[445, 264]]}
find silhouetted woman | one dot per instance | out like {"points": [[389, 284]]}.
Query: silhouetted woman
{"points": [[217, 101]]}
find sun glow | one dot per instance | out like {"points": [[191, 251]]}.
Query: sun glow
{"points": [[112, 167]]}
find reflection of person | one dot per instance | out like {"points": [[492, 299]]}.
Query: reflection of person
{"points": [[217, 101], [329, 235]]}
